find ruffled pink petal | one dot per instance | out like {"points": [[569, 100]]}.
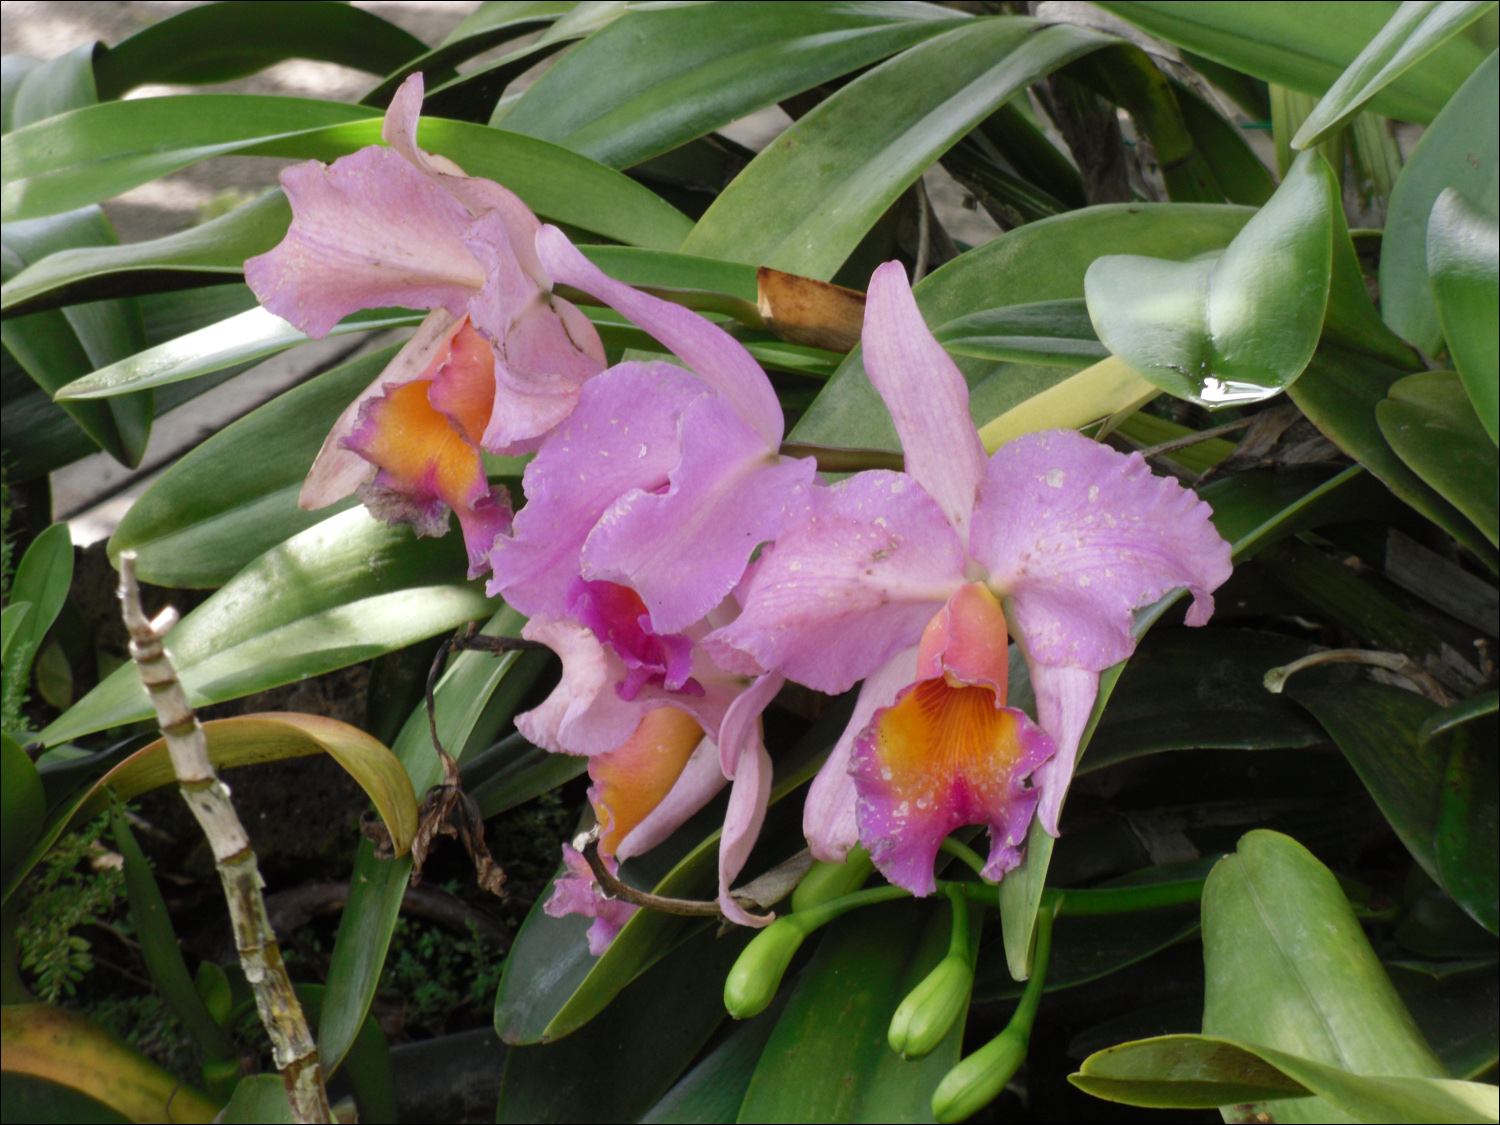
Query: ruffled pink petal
{"points": [[710, 352], [699, 783], [367, 232], [1080, 536], [584, 714], [1064, 700], [942, 757], [926, 395], [622, 436], [828, 814], [967, 641], [618, 617], [684, 549], [857, 572], [577, 893], [742, 823]]}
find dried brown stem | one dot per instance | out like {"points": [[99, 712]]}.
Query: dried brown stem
{"points": [[292, 1046], [1397, 662]]}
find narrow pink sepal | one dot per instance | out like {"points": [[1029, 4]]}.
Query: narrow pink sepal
{"points": [[712, 354], [1080, 536], [926, 395], [1064, 700], [857, 572], [577, 893], [699, 783], [686, 548], [828, 813], [742, 823]]}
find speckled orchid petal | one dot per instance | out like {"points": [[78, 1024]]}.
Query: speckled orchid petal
{"points": [[1064, 700], [700, 781], [716, 357], [742, 823], [576, 893], [633, 779], [857, 572], [622, 436], [828, 814], [939, 758], [617, 616], [685, 548], [1080, 536], [926, 395]]}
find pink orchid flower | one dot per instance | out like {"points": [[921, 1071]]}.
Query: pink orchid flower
{"points": [[497, 365], [906, 580]]}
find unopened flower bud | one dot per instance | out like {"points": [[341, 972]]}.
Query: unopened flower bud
{"points": [[825, 882], [929, 1011], [978, 1079], [756, 976]]}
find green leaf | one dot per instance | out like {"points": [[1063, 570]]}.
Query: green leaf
{"points": [[1431, 425], [35, 1099], [514, 771], [1465, 840], [1340, 393], [1233, 329], [1288, 967], [343, 591], [1463, 259], [41, 582], [1306, 47], [1205, 1072], [235, 496], [259, 1099], [1461, 151], [52, 87], [714, 1089], [804, 203], [1239, 173], [1457, 1006], [821, 1067], [1415, 30], [222, 42], [1477, 706], [653, 80], [1054, 333], [22, 801], [367, 1066]]}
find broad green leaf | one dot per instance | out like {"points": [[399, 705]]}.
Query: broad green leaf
{"points": [[714, 1089], [1465, 840], [235, 496], [1204, 1072], [100, 151], [1475, 707], [1461, 150], [1304, 46], [804, 203], [22, 801], [1287, 967], [819, 1066], [1457, 1006], [1107, 388], [1431, 425], [1239, 172], [656, 79], [1415, 30], [343, 591], [633, 1052], [52, 87], [70, 1050], [1340, 393], [221, 42], [1046, 332], [259, 1099], [28, 1098], [1041, 261], [41, 583], [514, 771], [1463, 260], [1236, 328]]}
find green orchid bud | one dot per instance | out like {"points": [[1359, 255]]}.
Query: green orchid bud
{"points": [[825, 882], [978, 1079], [756, 976], [929, 1011]]}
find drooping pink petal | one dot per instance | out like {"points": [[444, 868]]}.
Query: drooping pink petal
{"points": [[942, 757], [577, 893], [857, 572], [717, 358], [367, 232], [828, 814], [1080, 536], [699, 783], [684, 549], [634, 778], [618, 617], [966, 640], [742, 823], [926, 395], [1064, 700], [622, 436]]}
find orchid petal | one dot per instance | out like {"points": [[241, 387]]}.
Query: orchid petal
{"points": [[463, 383], [622, 436], [966, 641], [857, 572], [712, 354], [583, 715], [828, 814], [1080, 536], [699, 783], [367, 232], [618, 617], [633, 779], [926, 394], [576, 893], [742, 823], [939, 758], [741, 726], [686, 548], [1064, 701]]}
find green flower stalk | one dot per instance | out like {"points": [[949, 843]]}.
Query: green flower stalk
{"points": [[825, 882], [930, 1010]]}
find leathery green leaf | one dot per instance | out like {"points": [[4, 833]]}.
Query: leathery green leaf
{"points": [[41, 584], [343, 591], [22, 801], [1233, 329], [1465, 839], [1431, 425], [805, 202], [1463, 259]]}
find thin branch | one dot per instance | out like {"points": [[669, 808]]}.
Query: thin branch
{"points": [[1397, 662], [841, 459], [292, 1046], [763, 892], [1198, 435]]}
